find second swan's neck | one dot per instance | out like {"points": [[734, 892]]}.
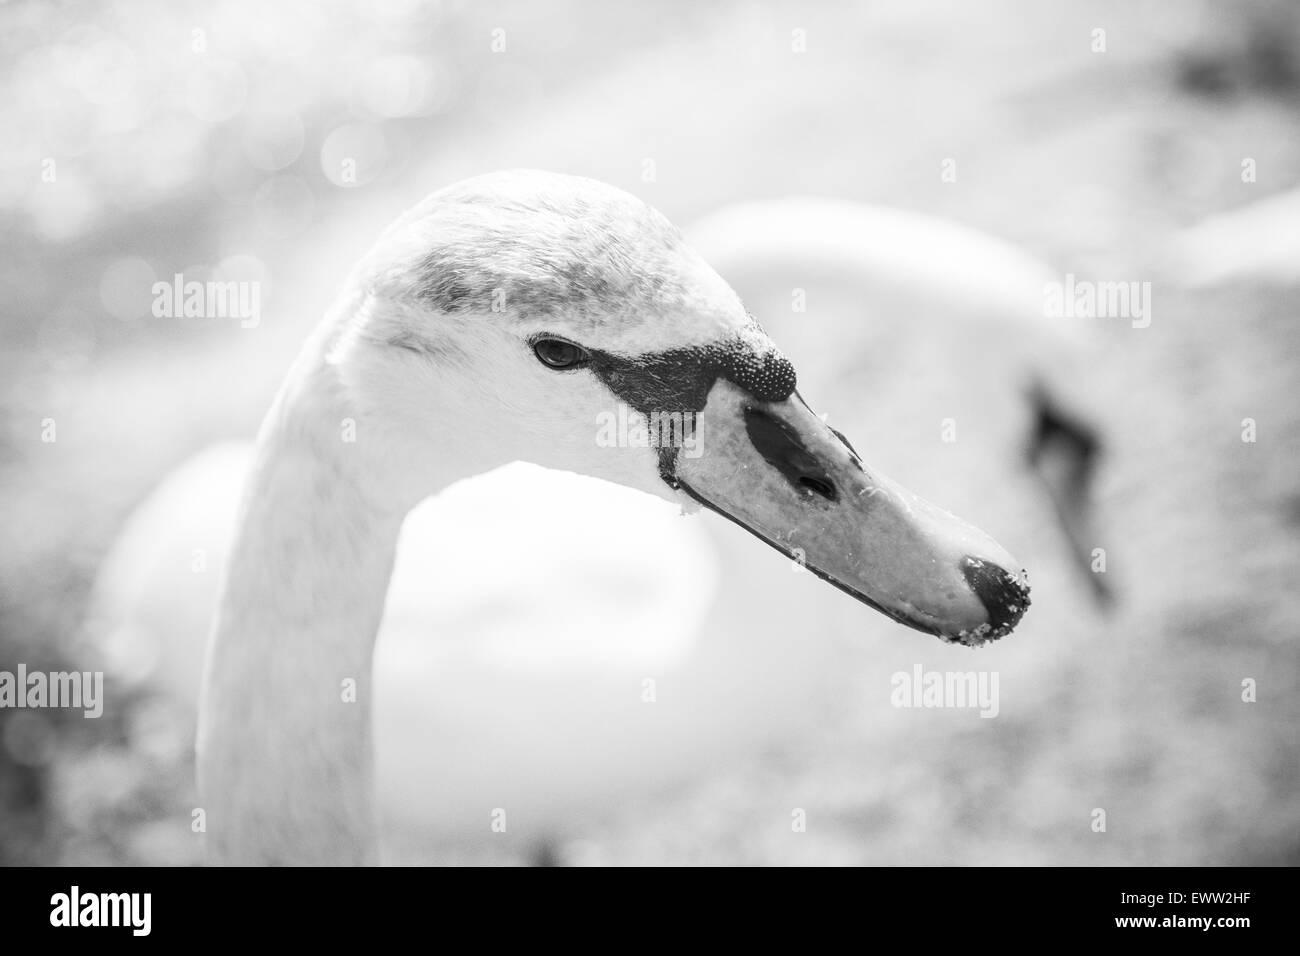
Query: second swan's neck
{"points": [[284, 735]]}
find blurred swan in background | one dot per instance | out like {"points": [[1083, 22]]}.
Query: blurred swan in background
{"points": [[555, 675], [1259, 241]]}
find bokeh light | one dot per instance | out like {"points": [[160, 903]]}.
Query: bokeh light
{"points": [[126, 288], [216, 89], [354, 154], [272, 140], [63, 209], [284, 206]]}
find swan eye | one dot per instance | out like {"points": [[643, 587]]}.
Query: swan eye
{"points": [[557, 353]]}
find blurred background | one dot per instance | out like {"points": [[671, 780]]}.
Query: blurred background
{"points": [[212, 138]]}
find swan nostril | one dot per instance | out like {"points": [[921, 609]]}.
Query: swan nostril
{"points": [[819, 486], [783, 448]]}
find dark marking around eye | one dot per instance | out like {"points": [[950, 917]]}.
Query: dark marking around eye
{"points": [[680, 379]]}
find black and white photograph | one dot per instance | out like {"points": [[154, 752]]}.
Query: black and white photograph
{"points": [[445, 433]]}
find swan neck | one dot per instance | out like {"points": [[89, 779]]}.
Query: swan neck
{"points": [[284, 737]]}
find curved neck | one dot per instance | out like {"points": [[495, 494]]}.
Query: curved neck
{"points": [[284, 742]]}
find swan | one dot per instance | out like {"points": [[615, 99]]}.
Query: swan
{"points": [[493, 323]]}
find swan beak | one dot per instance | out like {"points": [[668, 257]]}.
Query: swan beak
{"points": [[782, 473]]}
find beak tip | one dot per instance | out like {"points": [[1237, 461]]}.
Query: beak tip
{"points": [[1004, 594]]}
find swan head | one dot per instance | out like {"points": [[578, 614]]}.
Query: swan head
{"points": [[558, 320]]}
